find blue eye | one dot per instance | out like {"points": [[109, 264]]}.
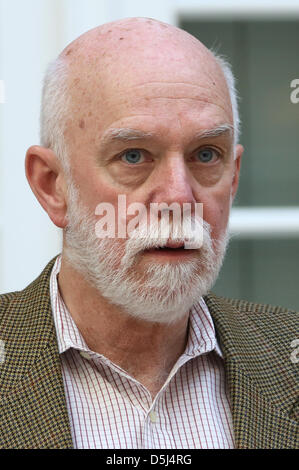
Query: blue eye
{"points": [[132, 156], [206, 155]]}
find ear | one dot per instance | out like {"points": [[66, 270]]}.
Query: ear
{"points": [[46, 179], [237, 165]]}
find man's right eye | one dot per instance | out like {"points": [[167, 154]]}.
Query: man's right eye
{"points": [[132, 157]]}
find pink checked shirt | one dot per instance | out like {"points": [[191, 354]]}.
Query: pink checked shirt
{"points": [[109, 409]]}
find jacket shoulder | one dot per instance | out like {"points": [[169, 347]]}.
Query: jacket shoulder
{"points": [[254, 309], [258, 308], [5, 300], [24, 298], [277, 323], [275, 318]]}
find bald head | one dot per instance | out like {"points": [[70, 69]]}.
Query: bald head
{"points": [[120, 56], [132, 36], [136, 50]]}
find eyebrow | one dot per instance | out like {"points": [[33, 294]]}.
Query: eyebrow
{"points": [[128, 134], [216, 131], [124, 134]]}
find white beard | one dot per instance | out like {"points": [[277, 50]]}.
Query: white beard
{"points": [[155, 292]]}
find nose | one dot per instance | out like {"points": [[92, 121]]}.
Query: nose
{"points": [[172, 181]]}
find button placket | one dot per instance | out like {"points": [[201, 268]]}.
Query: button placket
{"points": [[85, 355], [153, 416]]}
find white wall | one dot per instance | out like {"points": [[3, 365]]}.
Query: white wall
{"points": [[27, 238], [33, 32]]}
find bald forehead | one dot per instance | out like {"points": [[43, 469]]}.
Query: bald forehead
{"points": [[138, 43], [108, 60]]}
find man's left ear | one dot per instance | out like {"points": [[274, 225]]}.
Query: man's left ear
{"points": [[46, 179], [237, 165]]}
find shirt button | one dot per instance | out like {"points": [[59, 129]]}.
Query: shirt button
{"points": [[85, 355], [153, 416]]}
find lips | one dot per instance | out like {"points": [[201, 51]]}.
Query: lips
{"points": [[172, 249], [174, 245], [170, 245]]}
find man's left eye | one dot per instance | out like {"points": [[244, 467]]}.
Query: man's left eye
{"points": [[132, 156], [207, 155]]}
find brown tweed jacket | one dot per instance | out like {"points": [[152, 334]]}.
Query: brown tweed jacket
{"points": [[255, 340]]}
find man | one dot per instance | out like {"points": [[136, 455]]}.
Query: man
{"points": [[117, 344]]}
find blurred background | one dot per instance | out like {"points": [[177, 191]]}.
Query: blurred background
{"points": [[261, 40]]}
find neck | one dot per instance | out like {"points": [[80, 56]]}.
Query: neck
{"points": [[147, 351]]}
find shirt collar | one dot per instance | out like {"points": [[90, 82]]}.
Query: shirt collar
{"points": [[202, 337], [68, 335]]}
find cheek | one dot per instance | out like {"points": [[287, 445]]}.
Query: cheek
{"points": [[125, 178], [216, 211], [94, 188], [210, 176]]}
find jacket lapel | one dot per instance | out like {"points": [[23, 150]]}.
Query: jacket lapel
{"points": [[261, 378], [33, 412]]}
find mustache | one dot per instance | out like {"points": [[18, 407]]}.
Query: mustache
{"points": [[193, 232]]}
